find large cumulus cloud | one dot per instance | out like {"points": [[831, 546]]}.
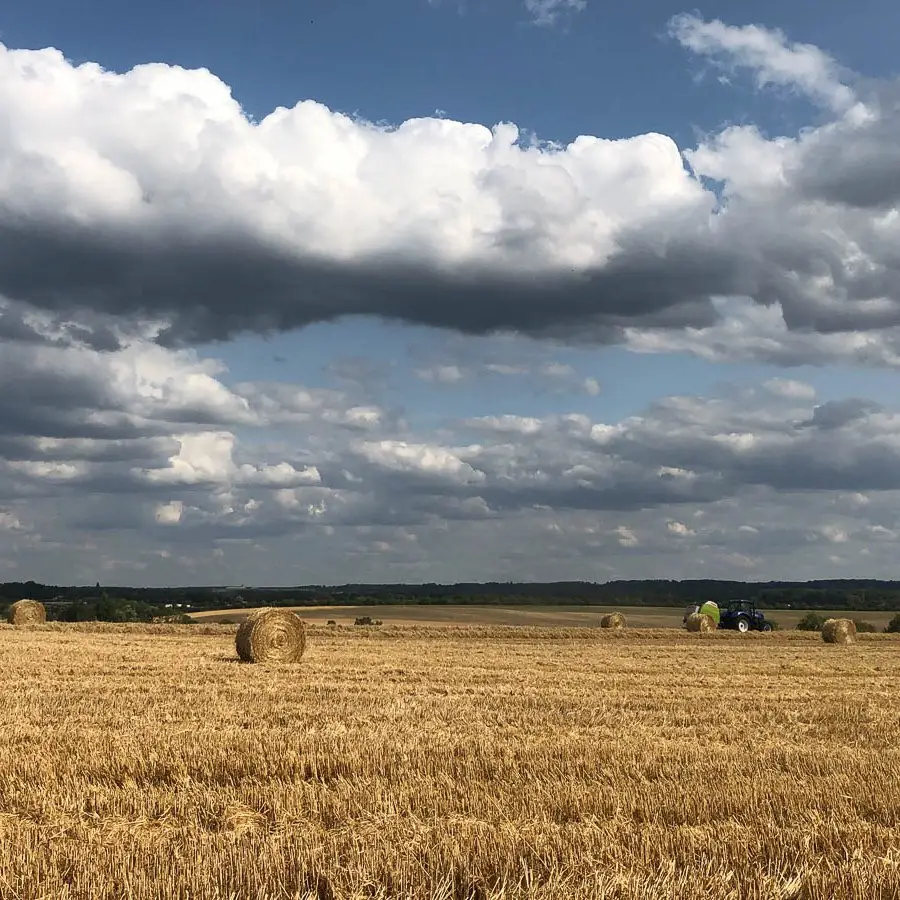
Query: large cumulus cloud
{"points": [[151, 193]]}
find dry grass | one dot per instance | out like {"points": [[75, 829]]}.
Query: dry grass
{"points": [[613, 620], [443, 762]]}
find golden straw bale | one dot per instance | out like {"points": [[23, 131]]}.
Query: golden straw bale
{"points": [[613, 620], [27, 612], [700, 622], [839, 631], [271, 635]]}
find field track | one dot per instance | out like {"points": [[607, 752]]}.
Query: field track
{"points": [[448, 762]]}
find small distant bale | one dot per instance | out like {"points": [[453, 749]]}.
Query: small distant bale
{"points": [[271, 636], [700, 622], [839, 631], [613, 620], [27, 612]]}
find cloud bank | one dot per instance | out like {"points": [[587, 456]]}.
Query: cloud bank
{"points": [[147, 464], [152, 195]]}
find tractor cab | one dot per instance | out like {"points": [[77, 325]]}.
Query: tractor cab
{"points": [[743, 616]]}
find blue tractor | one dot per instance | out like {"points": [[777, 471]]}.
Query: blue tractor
{"points": [[743, 616], [737, 615]]}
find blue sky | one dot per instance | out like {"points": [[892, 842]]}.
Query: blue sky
{"points": [[607, 70], [368, 401], [629, 381]]}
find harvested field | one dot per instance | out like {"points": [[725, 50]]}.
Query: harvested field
{"points": [[566, 616], [448, 762]]}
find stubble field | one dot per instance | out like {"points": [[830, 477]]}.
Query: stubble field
{"points": [[536, 615], [448, 762]]}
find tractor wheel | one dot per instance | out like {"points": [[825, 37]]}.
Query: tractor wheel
{"points": [[742, 624], [767, 626]]}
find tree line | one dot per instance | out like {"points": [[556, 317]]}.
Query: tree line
{"points": [[145, 603], [103, 608]]}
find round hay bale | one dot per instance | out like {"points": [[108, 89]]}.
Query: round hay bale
{"points": [[27, 612], [839, 631], [700, 622], [271, 636], [613, 620]]}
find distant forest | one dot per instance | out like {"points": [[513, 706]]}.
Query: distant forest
{"points": [[852, 594]]}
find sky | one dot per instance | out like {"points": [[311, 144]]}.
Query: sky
{"points": [[448, 290]]}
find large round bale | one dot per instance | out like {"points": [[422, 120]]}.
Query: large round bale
{"points": [[613, 620], [839, 631], [711, 609], [27, 612], [271, 636], [700, 622]]}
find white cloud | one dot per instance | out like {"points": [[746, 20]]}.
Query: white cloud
{"points": [[506, 369], [557, 370], [561, 375], [177, 381], [10, 521], [443, 374], [401, 456], [356, 417], [122, 152], [790, 388], [680, 529], [48, 471], [508, 424], [741, 561], [204, 457], [833, 534], [548, 12], [281, 475], [746, 331], [169, 513], [772, 57]]}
